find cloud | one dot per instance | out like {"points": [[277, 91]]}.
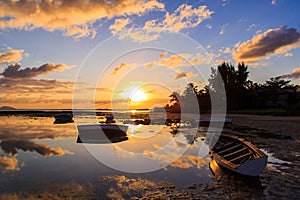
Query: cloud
{"points": [[8, 86], [227, 50], [294, 75], [36, 95], [209, 26], [123, 66], [74, 18], [273, 41], [288, 54], [39, 93], [11, 55], [273, 2], [222, 29], [180, 74], [9, 163], [225, 2], [185, 16], [10, 146], [119, 25], [173, 61], [178, 60], [252, 26], [15, 71]]}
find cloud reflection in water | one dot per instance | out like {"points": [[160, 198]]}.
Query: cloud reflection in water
{"points": [[18, 133]]}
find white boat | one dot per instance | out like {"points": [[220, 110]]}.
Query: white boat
{"points": [[239, 155], [101, 133]]}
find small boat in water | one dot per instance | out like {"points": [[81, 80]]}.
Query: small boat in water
{"points": [[106, 132], [101, 133], [63, 118], [239, 155]]}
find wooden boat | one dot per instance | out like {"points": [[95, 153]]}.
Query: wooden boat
{"points": [[101, 133], [239, 155]]}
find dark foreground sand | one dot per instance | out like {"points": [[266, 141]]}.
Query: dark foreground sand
{"points": [[288, 126]]}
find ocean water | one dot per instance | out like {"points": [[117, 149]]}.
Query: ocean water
{"points": [[40, 158]]}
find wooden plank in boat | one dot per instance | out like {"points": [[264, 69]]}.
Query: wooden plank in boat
{"points": [[225, 145], [240, 157], [229, 149], [235, 152]]}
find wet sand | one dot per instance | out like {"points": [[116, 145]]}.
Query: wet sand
{"points": [[283, 125], [279, 136]]}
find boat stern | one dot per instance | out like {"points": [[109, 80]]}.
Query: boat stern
{"points": [[253, 167]]}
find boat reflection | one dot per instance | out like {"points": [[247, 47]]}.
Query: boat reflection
{"points": [[102, 141]]}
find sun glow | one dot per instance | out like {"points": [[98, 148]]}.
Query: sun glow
{"points": [[135, 94], [138, 96]]}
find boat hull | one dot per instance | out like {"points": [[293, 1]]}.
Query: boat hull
{"points": [[250, 162], [102, 133]]}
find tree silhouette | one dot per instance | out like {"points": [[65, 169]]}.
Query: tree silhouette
{"points": [[235, 81], [232, 82]]}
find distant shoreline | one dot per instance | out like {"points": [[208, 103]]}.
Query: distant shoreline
{"points": [[53, 112], [102, 112]]}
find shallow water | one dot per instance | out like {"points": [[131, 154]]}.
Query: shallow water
{"points": [[35, 151], [41, 160]]}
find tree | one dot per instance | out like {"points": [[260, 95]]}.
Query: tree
{"points": [[278, 83], [175, 99], [190, 102], [235, 81], [277, 92]]}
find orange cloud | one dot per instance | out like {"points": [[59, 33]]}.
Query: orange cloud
{"points": [[36, 93], [273, 41], [123, 66], [173, 61], [180, 74], [179, 60], [294, 75], [19, 87], [185, 16], [118, 25], [11, 55], [15, 71], [74, 18]]}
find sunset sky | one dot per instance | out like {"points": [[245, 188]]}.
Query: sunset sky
{"points": [[134, 53]]}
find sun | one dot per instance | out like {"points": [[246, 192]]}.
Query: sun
{"points": [[134, 94], [138, 96]]}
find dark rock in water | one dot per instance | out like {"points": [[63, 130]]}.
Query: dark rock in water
{"points": [[7, 108]]}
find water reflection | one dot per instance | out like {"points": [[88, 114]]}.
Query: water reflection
{"points": [[34, 150], [150, 148], [8, 163], [10, 146], [23, 133]]}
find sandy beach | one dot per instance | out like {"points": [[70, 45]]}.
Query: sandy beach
{"points": [[284, 125]]}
